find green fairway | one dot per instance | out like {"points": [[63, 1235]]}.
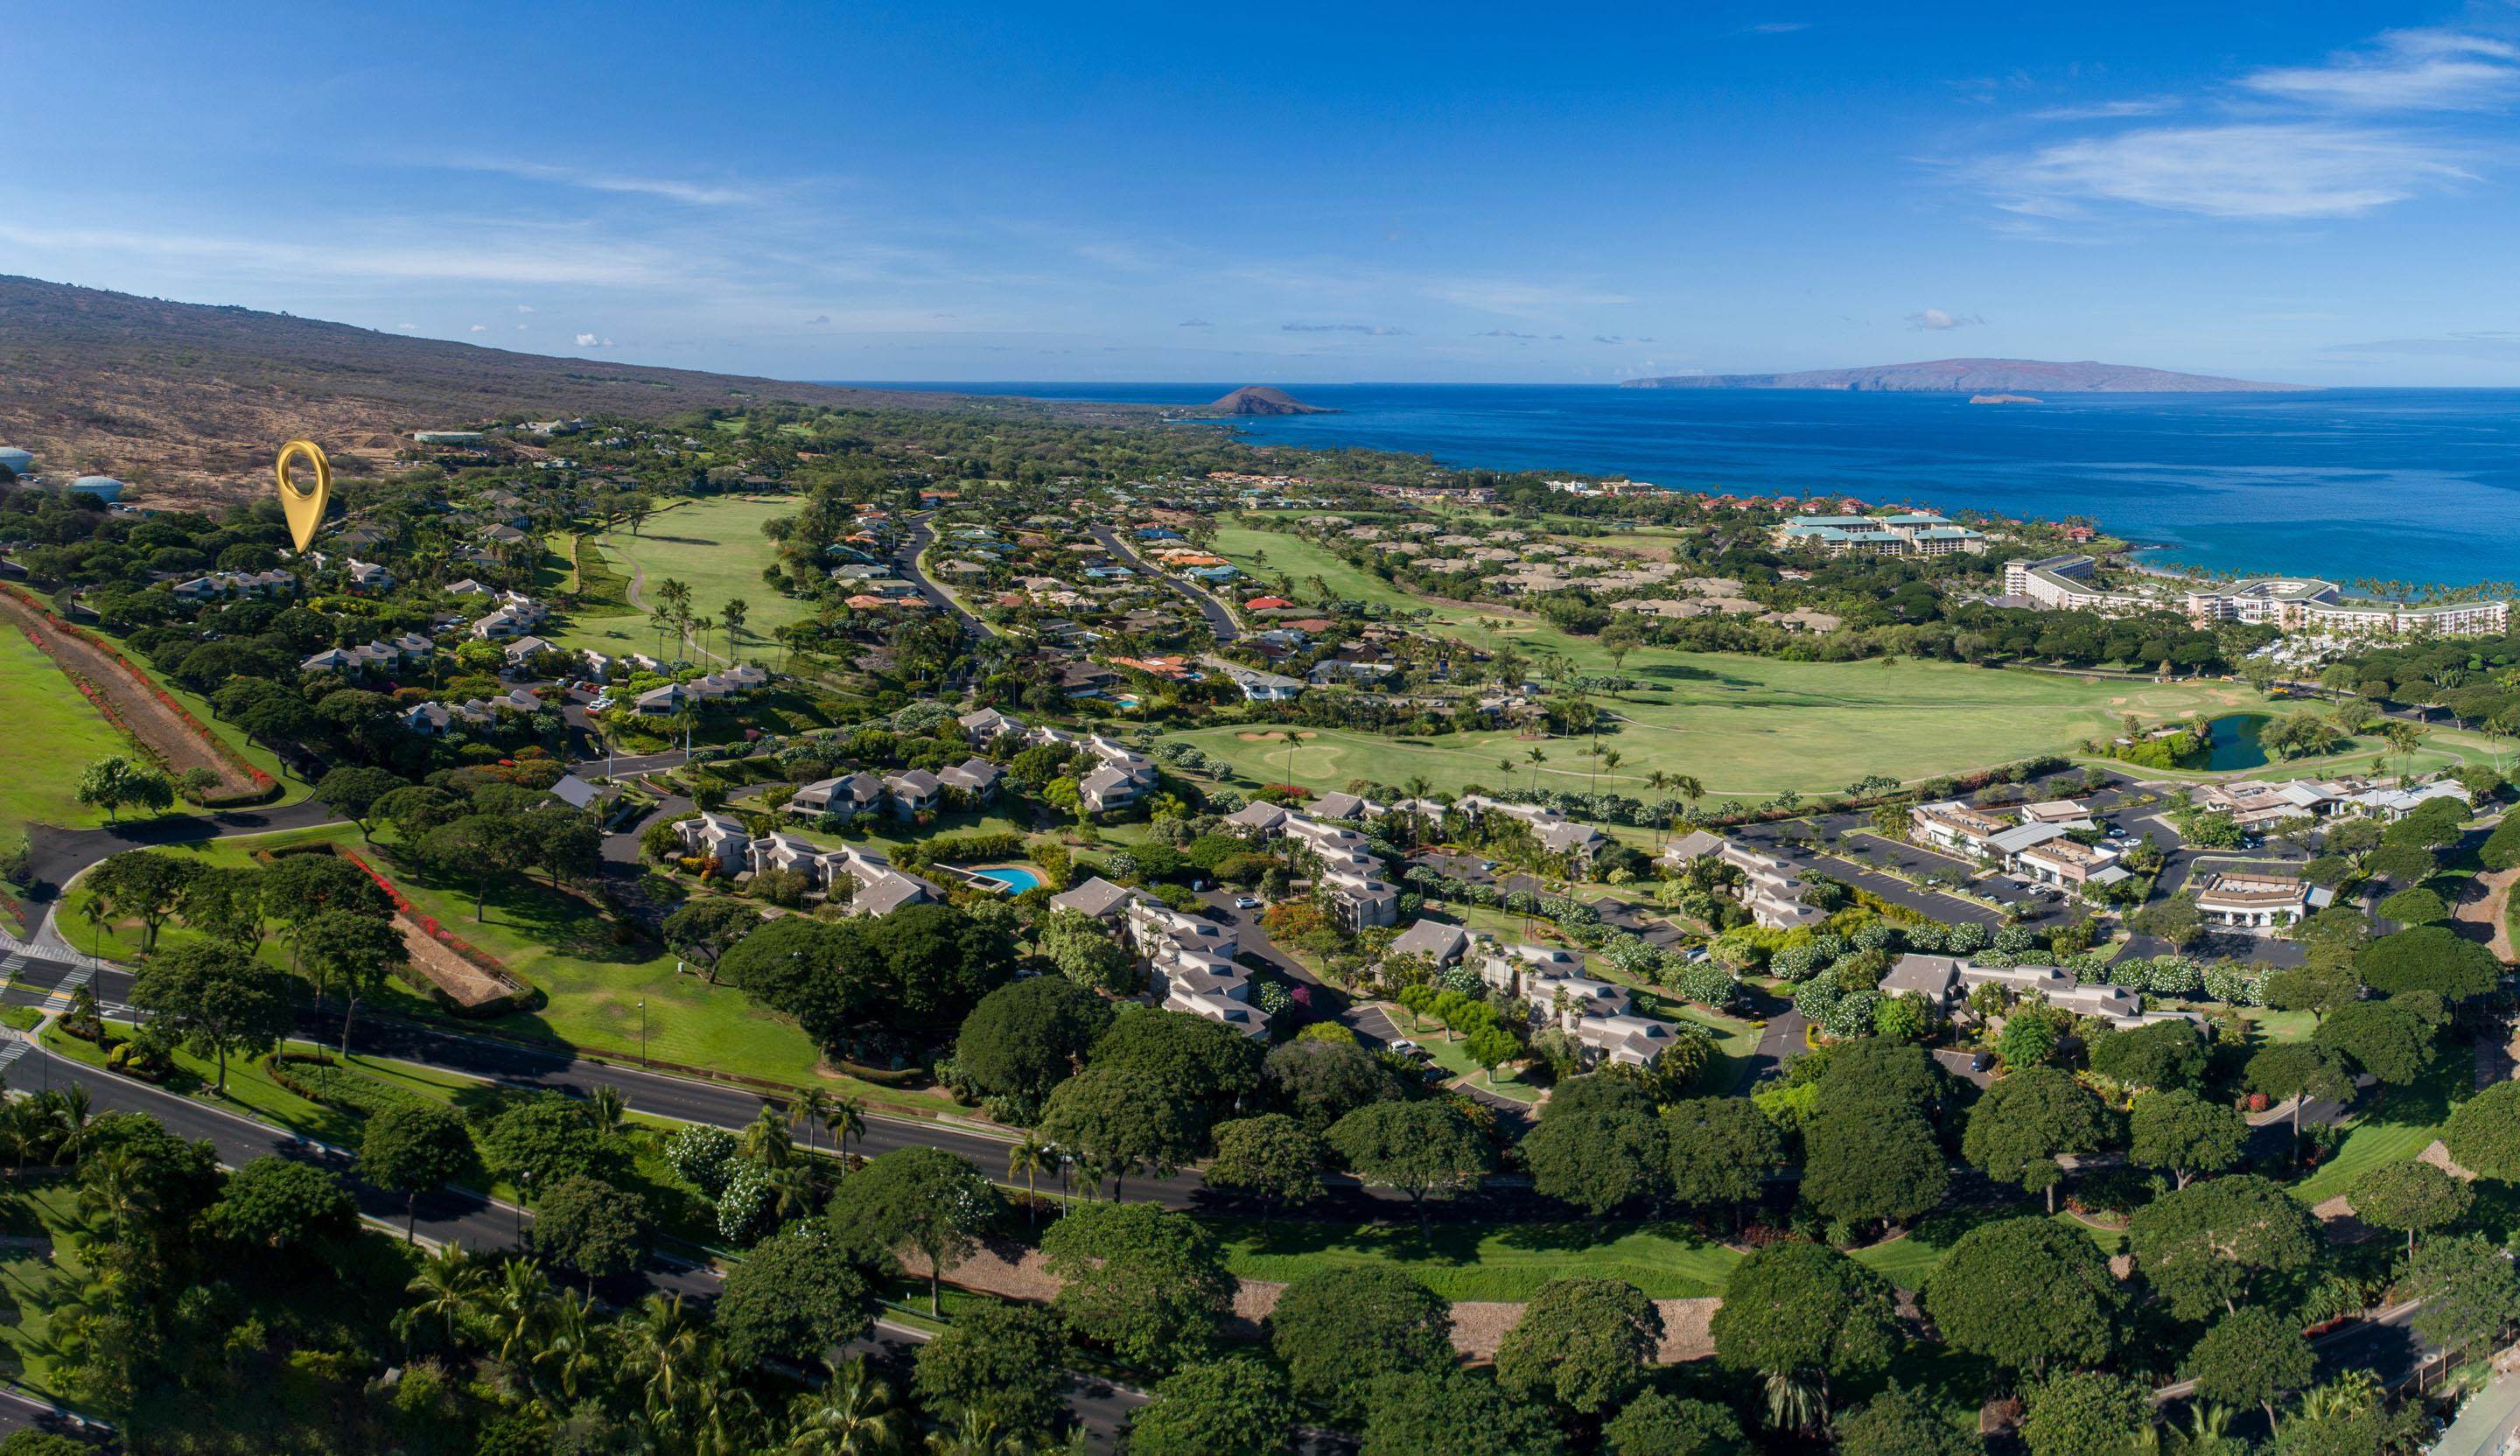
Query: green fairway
{"points": [[714, 547], [52, 733], [1753, 726], [2394, 1125], [1484, 1261], [40, 1271]]}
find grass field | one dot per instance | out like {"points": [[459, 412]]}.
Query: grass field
{"points": [[39, 1270], [716, 547], [2403, 1123], [1485, 1261], [52, 733], [1743, 726], [592, 985]]}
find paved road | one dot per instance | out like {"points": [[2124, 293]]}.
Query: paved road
{"points": [[57, 855], [1220, 623], [905, 560]]}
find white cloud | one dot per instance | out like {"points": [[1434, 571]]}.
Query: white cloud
{"points": [[1938, 319], [2402, 70], [1774, 27], [480, 329], [2501, 344], [819, 320], [1519, 299], [489, 253], [407, 328], [2258, 170], [525, 308], [2104, 111], [673, 189], [586, 340], [1378, 331]]}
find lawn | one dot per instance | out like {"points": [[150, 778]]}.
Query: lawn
{"points": [[714, 547], [1484, 1261], [1749, 727], [2393, 1126], [592, 983], [1906, 1262], [38, 1270], [53, 732], [1454, 1056]]}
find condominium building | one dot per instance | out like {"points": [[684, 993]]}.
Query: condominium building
{"points": [[2308, 604], [2064, 583], [2256, 902], [1910, 534]]}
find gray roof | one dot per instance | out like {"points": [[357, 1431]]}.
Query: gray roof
{"points": [[1432, 939], [1097, 898], [1697, 844]]}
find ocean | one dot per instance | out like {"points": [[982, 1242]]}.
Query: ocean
{"points": [[2405, 485]]}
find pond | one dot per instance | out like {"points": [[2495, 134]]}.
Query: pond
{"points": [[1016, 877], [2231, 742]]}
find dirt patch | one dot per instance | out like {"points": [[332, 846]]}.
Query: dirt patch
{"points": [[465, 985], [2490, 910], [177, 743]]}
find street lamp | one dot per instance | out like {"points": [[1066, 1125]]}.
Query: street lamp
{"points": [[643, 1031]]}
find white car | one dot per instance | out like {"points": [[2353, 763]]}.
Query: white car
{"points": [[1245, 903], [602, 702]]}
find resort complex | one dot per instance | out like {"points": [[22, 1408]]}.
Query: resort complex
{"points": [[2065, 583]]}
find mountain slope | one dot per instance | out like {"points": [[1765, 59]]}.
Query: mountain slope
{"points": [[1975, 376], [1263, 400], [192, 399]]}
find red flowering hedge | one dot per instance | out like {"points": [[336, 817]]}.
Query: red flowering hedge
{"points": [[481, 960]]}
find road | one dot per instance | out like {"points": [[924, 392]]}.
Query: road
{"points": [[57, 855], [1220, 623], [905, 559]]}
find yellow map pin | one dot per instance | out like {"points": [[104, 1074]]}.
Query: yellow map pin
{"points": [[304, 508]]}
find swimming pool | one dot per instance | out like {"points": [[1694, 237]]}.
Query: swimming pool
{"points": [[1016, 877]]}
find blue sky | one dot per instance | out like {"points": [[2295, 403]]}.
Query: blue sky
{"points": [[2311, 192]]}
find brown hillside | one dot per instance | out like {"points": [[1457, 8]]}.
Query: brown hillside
{"points": [[192, 399]]}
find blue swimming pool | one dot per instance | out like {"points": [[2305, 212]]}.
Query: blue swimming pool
{"points": [[1016, 877]]}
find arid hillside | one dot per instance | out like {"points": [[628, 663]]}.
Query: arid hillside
{"points": [[192, 400]]}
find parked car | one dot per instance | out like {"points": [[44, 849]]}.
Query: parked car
{"points": [[1981, 1062], [1245, 903], [1404, 1044]]}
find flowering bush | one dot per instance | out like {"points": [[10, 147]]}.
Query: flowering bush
{"points": [[743, 1207], [703, 1157]]}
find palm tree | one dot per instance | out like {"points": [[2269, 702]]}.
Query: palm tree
{"points": [[810, 1107], [68, 1110], [1031, 1157], [573, 1349], [977, 1430], [446, 1291], [725, 1419], [765, 1139], [665, 1354], [1656, 781], [605, 1108], [115, 1192], [851, 1415], [514, 1306], [846, 1120], [1688, 788], [1536, 758]]}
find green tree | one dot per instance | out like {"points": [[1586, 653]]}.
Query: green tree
{"points": [[2161, 1055], [2298, 1071], [1720, 1150], [920, 1199], [412, 1148], [275, 1205], [1422, 1148], [588, 1225], [2388, 1039], [1902, 1422], [1005, 1361], [2252, 1356], [476, 850], [1269, 1157], [2174, 920], [2026, 1122], [1457, 1413], [2207, 1246], [1659, 1424], [2469, 1290], [2484, 1133], [1586, 1344], [2413, 1196], [217, 999], [2183, 1134], [355, 793], [2428, 958], [1322, 1081], [144, 886], [1878, 1168], [1231, 1407], [2027, 1294], [1146, 1283], [1339, 1329], [1124, 1120], [545, 1138], [1024, 1039], [2084, 1414], [1800, 1315], [1083, 952], [706, 929], [1598, 1160], [353, 954], [116, 783], [793, 1296]]}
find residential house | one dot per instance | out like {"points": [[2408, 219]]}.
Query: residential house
{"points": [[847, 796], [1945, 982], [1190, 964], [977, 780], [1441, 944], [914, 793], [1097, 898], [985, 726]]}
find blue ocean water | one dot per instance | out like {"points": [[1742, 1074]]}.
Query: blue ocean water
{"points": [[2418, 486]]}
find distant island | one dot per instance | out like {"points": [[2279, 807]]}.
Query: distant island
{"points": [[1263, 400], [1976, 375], [2006, 399]]}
